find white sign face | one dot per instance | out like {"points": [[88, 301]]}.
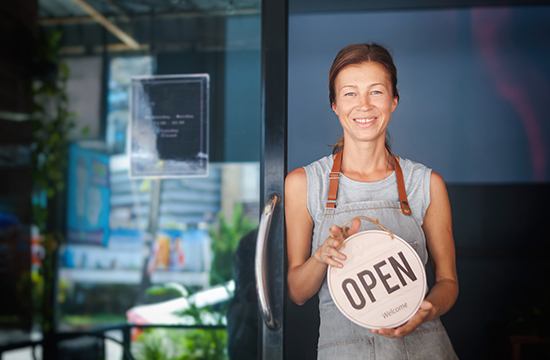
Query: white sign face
{"points": [[169, 126], [382, 282]]}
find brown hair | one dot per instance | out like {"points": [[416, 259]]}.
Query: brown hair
{"points": [[356, 54]]}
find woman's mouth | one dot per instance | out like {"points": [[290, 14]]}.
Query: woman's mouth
{"points": [[364, 121]]}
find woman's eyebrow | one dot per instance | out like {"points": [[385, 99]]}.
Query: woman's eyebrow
{"points": [[356, 86]]}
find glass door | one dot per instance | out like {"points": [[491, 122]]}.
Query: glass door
{"points": [[177, 258]]}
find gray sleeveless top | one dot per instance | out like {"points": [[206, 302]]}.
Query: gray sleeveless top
{"points": [[416, 177], [340, 338]]}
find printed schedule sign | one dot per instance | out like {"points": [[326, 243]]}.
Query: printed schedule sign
{"points": [[382, 282], [169, 126]]}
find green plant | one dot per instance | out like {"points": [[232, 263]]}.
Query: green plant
{"points": [[190, 344], [181, 344], [51, 122], [225, 240], [200, 343], [157, 344], [205, 344]]}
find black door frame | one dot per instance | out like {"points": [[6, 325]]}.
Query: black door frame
{"points": [[274, 60]]}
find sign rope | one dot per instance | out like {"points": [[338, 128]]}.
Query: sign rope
{"points": [[345, 227]]}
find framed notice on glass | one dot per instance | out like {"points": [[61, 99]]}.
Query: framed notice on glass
{"points": [[169, 126]]}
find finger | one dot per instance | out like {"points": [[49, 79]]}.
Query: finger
{"points": [[402, 331], [332, 243], [329, 245], [406, 329], [327, 251], [335, 232], [354, 228], [389, 333], [425, 306], [415, 321], [332, 252], [332, 262]]}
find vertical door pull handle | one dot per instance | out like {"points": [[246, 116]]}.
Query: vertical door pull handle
{"points": [[260, 262]]}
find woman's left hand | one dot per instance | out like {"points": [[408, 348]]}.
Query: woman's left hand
{"points": [[410, 325]]}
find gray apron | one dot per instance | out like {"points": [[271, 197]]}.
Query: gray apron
{"points": [[340, 338]]}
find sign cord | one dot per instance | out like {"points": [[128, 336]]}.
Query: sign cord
{"points": [[345, 227]]}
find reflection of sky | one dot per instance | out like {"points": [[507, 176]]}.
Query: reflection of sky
{"points": [[116, 97], [121, 71], [144, 142]]}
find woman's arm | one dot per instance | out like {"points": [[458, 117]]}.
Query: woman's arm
{"points": [[441, 248], [439, 239], [305, 273]]}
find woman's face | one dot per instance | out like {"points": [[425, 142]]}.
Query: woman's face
{"points": [[364, 101]]}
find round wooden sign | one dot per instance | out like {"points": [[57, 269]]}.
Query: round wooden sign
{"points": [[382, 282]]}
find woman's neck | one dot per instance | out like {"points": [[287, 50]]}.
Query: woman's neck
{"points": [[366, 162]]}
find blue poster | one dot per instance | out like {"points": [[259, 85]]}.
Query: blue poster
{"points": [[88, 197]]}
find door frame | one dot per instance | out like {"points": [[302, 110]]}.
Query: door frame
{"points": [[274, 79]]}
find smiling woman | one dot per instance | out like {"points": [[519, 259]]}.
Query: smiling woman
{"points": [[364, 100], [363, 178], [355, 56]]}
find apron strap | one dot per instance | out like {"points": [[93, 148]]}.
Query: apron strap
{"points": [[405, 208], [335, 178]]}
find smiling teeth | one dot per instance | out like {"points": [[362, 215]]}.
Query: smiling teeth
{"points": [[364, 121]]}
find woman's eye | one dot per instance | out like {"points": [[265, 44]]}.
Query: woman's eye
{"points": [[349, 94], [376, 92]]}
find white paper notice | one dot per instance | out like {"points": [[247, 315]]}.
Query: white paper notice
{"points": [[169, 126]]}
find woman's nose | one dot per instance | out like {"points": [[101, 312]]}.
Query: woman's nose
{"points": [[365, 102]]}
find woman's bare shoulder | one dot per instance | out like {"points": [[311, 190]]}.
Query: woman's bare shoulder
{"points": [[296, 190], [296, 176]]}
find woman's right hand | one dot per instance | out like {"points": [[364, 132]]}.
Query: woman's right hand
{"points": [[306, 272], [328, 252]]}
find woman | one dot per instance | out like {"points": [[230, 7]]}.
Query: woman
{"points": [[363, 94]]}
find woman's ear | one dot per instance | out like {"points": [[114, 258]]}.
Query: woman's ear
{"points": [[395, 101], [335, 108]]}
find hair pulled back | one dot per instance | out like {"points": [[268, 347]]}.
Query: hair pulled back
{"points": [[356, 54]]}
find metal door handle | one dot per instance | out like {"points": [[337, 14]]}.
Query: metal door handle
{"points": [[260, 263]]}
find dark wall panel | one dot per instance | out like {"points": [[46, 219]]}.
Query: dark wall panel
{"points": [[503, 251], [18, 26]]}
